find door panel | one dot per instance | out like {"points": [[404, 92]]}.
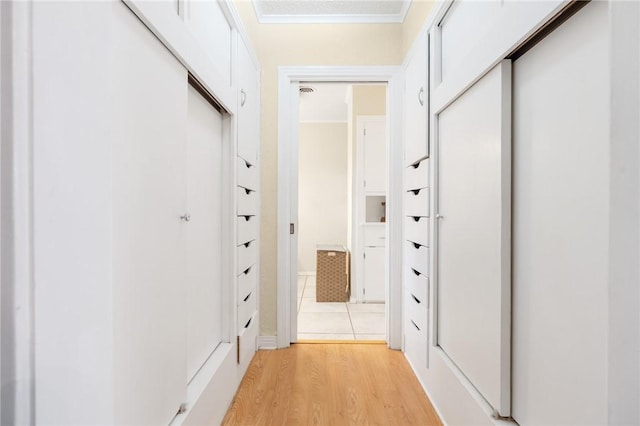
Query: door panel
{"points": [[148, 131], [561, 238], [474, 191], [204, 231], [374, 271]]}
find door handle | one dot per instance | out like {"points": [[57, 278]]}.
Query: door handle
{"points": [[243, 97], [421, 96]]}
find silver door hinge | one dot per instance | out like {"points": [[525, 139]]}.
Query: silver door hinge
{"points": [[364, 255]]}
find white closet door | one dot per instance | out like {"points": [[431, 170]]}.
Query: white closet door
{"points": [[204, 231], [561, 224], [149, 98], [474, 179]]}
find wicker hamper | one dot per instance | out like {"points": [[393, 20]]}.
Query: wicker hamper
{"points": [[332, 274]]}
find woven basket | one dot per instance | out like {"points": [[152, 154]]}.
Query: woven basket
{"points": [[332, 274]]}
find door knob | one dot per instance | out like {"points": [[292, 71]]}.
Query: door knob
{"points": [[186, 217], [439, 217]]}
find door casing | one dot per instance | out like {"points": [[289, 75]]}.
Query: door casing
{"points": [[288, 83]]}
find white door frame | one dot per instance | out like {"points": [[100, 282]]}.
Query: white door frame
{"points": [[288, 82]]}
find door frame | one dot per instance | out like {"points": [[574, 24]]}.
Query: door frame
{"points": [[288, 96]]}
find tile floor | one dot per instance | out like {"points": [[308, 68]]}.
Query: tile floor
{"points": [[336, 321]]}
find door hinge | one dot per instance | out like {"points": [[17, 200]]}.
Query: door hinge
{"points": [[365, 132], [364, 255], [364, 183], [292, 228]]}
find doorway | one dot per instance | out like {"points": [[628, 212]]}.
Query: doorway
{"points": [[342, 179], [289, 220]]}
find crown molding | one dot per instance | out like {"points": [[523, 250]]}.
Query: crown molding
{"points": [[396, 18]]}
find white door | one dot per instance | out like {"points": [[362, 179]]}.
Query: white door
{"points": [[148, 190], [474, 248], [203, 231], [561, 224]]}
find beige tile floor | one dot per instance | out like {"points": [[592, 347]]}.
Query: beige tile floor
{"points": [[336, 321]]}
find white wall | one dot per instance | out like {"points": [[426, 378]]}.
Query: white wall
{"points": [[322, 189]]}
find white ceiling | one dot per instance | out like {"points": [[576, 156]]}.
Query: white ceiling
{"points": [[325, 104], [331, 11]]}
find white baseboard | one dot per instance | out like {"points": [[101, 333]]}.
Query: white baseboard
{"points": [[306, 273], [267, 342]]}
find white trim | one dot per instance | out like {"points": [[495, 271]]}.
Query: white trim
{"points": [[267, 343], [389, 18], [288, 77]]}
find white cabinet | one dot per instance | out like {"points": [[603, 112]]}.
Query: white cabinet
{"points": [[416, 103], [371, 195], [248, 106], [247, 206], [416, 264], [374, 263]]}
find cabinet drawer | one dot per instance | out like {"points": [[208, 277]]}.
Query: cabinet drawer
{"points": [[247, 335], [247, 256], [417, 175], [416, 229], [247, 200], [418, 257], [247, 281], [416, 310], [415, 343], [247, 306], [248, 175], [417, 202], [373, 236], [417, 285], [247, 229]]}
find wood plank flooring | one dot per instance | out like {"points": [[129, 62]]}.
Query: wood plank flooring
{"points": [[330, 384]]}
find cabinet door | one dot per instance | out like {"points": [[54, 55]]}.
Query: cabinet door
{"points": [[375, 158], [561, 231], [374, 272], [149, 94], [416, 102], [248, 106], [474, 300]]}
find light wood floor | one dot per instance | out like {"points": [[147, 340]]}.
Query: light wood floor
{"points": [[330, 384]]}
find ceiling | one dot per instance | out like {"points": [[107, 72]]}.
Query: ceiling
{"points": [[326, 104], [331, 11]]}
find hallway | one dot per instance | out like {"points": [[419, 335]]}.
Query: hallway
{"points": [[330, 384]]}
